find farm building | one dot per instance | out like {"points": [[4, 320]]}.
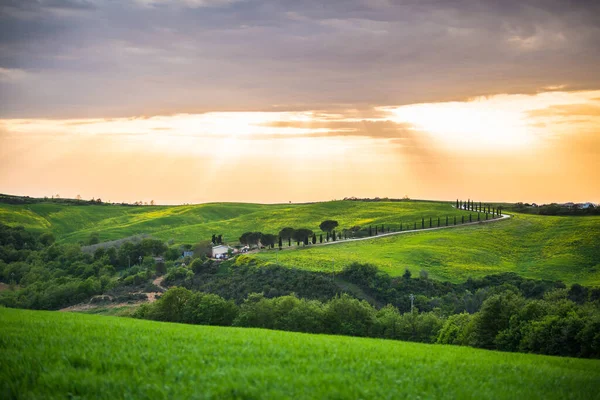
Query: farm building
{"points": [[219, 250]]}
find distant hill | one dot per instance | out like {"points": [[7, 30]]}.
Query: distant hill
{"points": [[55, 355], [71, 222]]}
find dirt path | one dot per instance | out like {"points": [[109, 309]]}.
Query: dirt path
{"points": [[158, 283], [151, 298]]}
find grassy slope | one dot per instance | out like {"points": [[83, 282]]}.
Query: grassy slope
{"points": [[59, 355], [190, 224], [556, 248]]}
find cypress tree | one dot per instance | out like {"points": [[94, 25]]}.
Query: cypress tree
{"points": [[430, 222], [305, 240], [456, 203], [438, 221], [382, 229], [314, 239], [289, 242], [321, 238], [333, 235], [375, 230], [327, 238], [422, 223], [446, 220], [280, 243]]}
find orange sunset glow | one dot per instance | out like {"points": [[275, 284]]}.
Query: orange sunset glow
{"points": [[203, 131]]}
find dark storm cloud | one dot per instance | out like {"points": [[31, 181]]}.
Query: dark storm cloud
{"points": [[81, 58]]}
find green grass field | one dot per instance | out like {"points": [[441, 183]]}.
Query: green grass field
{"points": [[191, 224], [55, 355], [542, 247]]}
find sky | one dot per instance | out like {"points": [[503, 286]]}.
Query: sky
{"points": [[189, 101]]}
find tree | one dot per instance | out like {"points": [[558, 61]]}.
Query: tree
{"points": [[302, 235], [286, 233], [151, 202], [494, 317], [422, 223], [280, 244], [250, 238], [161, 268], [268, 240], [370, 231], [321, 238], [456, 203], [213, 240], [94, 238], [328, 225], [47, 238], [333, 235], [406, 274], [314, 239], [203, 249], [220, 239]]}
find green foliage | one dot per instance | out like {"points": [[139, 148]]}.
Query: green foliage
{"points": [[328, 225]]}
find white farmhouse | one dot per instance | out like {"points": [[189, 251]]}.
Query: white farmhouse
{"points": [[219, 250]]}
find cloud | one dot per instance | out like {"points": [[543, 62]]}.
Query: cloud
{"points": [[12, 74], [567, 110], [102, 59], [364, 128]]}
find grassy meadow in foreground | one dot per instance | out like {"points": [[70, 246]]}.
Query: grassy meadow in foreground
{"points": [[541, 247], [193, 223], [59, 355]]}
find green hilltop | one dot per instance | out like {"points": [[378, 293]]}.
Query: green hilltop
{"points": [[57, 355], [541, 247], [193, 223]]}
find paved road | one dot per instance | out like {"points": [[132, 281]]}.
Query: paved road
{"points": [[502, 217]]}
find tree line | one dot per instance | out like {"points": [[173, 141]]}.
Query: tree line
{"points": [[487, 209], [554, 325], [305, 236]]}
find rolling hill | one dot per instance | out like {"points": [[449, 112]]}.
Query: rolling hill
{"points": [[541, 247], [190, 224], [59, 355]]}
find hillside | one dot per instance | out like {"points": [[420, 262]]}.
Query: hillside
{"points": [[541, 247], [58, 355], [190, 224]]}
